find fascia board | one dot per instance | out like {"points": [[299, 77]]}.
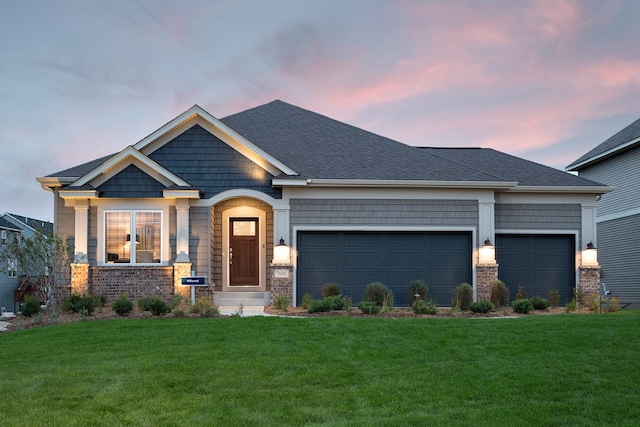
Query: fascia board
{"points": [[601, 156], [225, 133], [49, 182], [78, 194], [501, 185], [587, 189], [275, 182], [131, 152], [181, 194]]}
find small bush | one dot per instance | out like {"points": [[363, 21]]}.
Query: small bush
{"points": [[122, 305], [421, 306], [334, 302], [539, 303], [522, 306], [306, 300], [521, 293], [369, 307], [377, 293], [176, 300], [462, 296], [613, 304], [179, 313], [571, 306], [30, 306], [554, 297], [204, 307], [85, 304], [419, 288], [281, 303], [499, 293], [156, 305], [482, 306], [331, 289], [594, 302]]}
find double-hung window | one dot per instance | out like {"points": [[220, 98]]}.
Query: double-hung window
{"points": [[133, 237]]}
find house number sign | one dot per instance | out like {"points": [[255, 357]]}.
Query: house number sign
{"points": [[280, 273]]}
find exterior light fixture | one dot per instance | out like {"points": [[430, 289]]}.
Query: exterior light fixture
{"points": [[590, 256], [487, 253], [281, 253]]}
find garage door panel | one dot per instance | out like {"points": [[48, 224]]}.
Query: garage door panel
{"points": [[443, 260], [538, 263]]}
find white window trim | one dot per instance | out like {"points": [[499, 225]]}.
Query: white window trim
{"points": [[119, 206]]}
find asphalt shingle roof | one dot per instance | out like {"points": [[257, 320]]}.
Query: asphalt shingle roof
{"points": [[627, 134]]}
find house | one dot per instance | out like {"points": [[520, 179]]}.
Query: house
{"points": [[278, 200], [8, 272], [616, 162]]}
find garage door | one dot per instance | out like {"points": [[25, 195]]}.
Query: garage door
{"points": [[354, 259], [538, 263]]}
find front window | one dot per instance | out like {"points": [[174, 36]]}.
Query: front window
{"points": [[12, 269], [133, 237]]}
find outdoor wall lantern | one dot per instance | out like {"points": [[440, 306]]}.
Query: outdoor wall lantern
{"points": [[590, 255], [281, 253], [487, 253]]}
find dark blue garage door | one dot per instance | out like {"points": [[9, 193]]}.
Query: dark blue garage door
{"points": [[538, 263], [354, 259]]}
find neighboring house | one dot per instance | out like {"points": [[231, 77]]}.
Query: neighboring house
{"points": [[8, 272], [278, 200], [616, 162], [29, 226]]}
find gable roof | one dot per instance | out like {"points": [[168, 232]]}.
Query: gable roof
{"points": [[26, 223], [301, 147], [621, 141]]}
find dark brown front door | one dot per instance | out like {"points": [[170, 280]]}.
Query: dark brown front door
{"points": [[244, 252]]}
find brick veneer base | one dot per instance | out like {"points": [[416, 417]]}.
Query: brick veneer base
{"points": [[485, 274], [79, 278], [589, 280], [137, 281], [180, 270], [282, 285]]}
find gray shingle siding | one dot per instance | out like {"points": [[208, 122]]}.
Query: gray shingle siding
{"points": [[623, 173], [515, 216], [374, 212], [210, 165], [618, 256], [131, 183]]}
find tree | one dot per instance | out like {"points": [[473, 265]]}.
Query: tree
{"points": [[43, 261]]}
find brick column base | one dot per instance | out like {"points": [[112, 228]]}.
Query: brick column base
{"points": [[588, 281], [79, 278], [485, 274], [180, 270], [282, 282]]}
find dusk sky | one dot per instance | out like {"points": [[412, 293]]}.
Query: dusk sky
{"points": [[543, 80]]}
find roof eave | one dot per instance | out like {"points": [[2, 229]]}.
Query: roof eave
{"points": [[574, 167], [373, 183], [582, 189], [181, 194], [51, 182], [79, 194]]}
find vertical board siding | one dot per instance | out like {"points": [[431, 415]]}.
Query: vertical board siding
{"points": [[621, 172], [618, 257], [516, 216]]}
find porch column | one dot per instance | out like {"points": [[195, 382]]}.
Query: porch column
{"points": [[81, 208], [589, 270], [182, 230], [486, 268]]}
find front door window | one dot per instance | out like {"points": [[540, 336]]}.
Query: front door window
{"points": [[244, 251]]}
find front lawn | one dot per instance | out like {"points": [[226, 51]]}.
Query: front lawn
{"points": [[537, 370]]}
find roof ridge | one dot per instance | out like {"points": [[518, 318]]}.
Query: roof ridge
{"points": [[464, 164]]}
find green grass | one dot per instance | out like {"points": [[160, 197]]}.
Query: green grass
{"points": [[563, 370]]}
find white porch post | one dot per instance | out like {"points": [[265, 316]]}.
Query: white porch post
{"points": [[281, 226], [81, 208], [182, 230]]}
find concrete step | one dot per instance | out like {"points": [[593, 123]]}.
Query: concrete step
{"points": [[247, 299]]}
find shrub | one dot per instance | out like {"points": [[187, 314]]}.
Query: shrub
{"points": [[204, 307], [539, 303], [571, 305], [417, 287], [594, 302], [30, 306], [499, 293], [522, 306], [331, 289], [462, 296], [85, 304], [378, 293], [122, 305], [281, 303], [369, 307], [334, 302], [554, 297], [176, 300], [613, 304], [306, 301], [421, 306], [156, 305], [482, 306], [521, 293], [179, 313]]}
